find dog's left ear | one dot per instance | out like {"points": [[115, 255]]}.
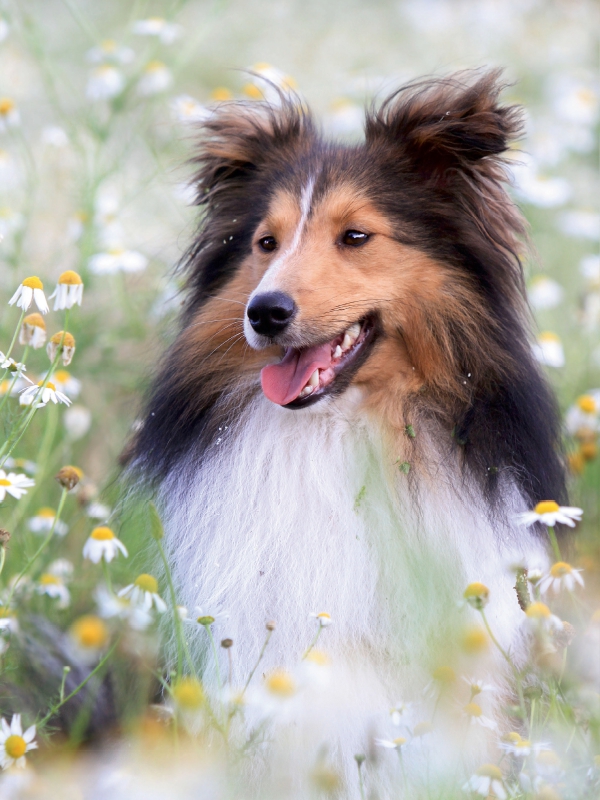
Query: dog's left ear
{"points": [[445, 124]]}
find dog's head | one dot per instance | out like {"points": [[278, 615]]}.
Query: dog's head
{"points": [[391, 265]]}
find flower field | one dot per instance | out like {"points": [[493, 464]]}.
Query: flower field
{"points": [[98, 103]]}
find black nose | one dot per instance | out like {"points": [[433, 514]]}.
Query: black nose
{"points": [[271, 312]]}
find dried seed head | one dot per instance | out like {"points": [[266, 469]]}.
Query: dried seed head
{"points": [[4, 537], [271, 625], [226, 643], [69, 477]]}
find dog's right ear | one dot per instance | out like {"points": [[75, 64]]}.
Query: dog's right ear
{"points": [[240, 139]]}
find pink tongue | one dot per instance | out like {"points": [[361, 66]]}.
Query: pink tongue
{"points": [[283, 382]]}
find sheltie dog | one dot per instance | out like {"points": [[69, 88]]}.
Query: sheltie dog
{"points": [[351, 417]]}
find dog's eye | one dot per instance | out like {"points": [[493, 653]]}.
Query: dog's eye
{"points": [[268, 243], [354, 238]]}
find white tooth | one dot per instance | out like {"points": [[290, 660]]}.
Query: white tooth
{"points": [[347, 343], [353, 331], [314, 379], [337, 352], [306, 391]]}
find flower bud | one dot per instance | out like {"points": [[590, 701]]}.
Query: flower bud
{"points": [[226, 643], [271, 625], [4, 537], [64, 343], [69, 477]]}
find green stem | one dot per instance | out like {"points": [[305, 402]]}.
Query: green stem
{"points": [[554, 542], [361, 785], [216, 656], [2, 557], [13, 382], [176, 618], [313, 643], [40, 549], [509, 662], [260, 656], [77, 689], [16, 333]]}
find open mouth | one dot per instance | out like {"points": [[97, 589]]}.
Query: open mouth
{"points": [[305, 375]]}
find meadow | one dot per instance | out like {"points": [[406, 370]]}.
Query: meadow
{"points": [[98, 107]]}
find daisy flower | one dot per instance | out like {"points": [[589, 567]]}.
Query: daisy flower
{"points": [[561, 576], [32, 289], [549, 350], [89, 636], [54, 135], [68, 292], [477, 687], [188, 694], [477, 595], [144, 592], [9, 114], [487, 781], [187, 109], [541, 619], [550, 513], [583, 417], [105, 82], [62, 568], [204, 617], [33, 331], [117, 260], [64, 381], [323, 618], [14, 743], [111, 606], [544, 292], [77, 421], [8, 620], [11, 365], [43, 521], [109, 50], [64, 343], [54, 587], [167, 32], [397, 712], [13, 484], [42, 396], [103, 544], [474, 713], [391, 744], [156, 78]]}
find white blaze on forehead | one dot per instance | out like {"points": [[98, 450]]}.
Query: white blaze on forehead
{"points": [[269, 280]]}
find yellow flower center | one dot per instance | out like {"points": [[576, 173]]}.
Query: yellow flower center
{"points": [[188, 693], [154, 66], [62, 376], [205, 620], [422, 728], [473, 710], [538, 611], [46, 513], [108, 45], [68, 340], [474, 639], [220, 94], [549, 338], [399, 741], [70, 278], [262, 66], [116, 251], [49, 580], [318, 657], [15, 746], [33, 283], [523, 743], [35, 320], [587, 404], [444, 675], [90, 631], [147, 583], [546, 507], [252, 91], [560, 568], [6, 105], [5, 482], [281, 683], [476, 590], [490, 771], [49, 385], [102, 534], [323, 615], [512, 737]]}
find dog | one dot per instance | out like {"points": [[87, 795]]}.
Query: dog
{"points": [[351, 417]]}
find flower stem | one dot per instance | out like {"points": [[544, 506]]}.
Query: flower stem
{"points": [[106, 571], [313, 643], [554, 542], [16, 333], [14, 380], [255, 667], [176, 618]]}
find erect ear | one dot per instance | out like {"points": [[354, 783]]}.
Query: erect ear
{"points": [[239, 139], [448, 123]]}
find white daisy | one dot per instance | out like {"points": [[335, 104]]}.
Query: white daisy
{"points": [[144, 592], [31, 289], [109, 50], [62, 342], [68, 292], [117, 260], [202, 616], [323, 618], [398, 711], [105, 82], [548, 350], [44, 519], [187, 109], [89, 637], [155, 78], [55, 136], [103, 544], [391, 744], [561, 576], [112, 606], [66, 383], [478, 686], [16, 367], [77, 421], [581, 223], [98, 511], [583, 417], [13, 484], [474, 713], [40, 397], [14, 743], [541, 620], [544, 292], [62, 568], [487, 781], [33, 331], [550, 513], [9, 114], [54, 587], [167, 32]]}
